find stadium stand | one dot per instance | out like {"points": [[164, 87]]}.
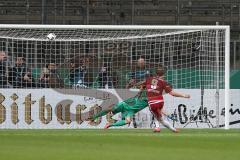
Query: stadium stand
{"points": [[145, 12], [159, 12], [121, 11]]}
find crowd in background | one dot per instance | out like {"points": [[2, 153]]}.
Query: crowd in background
{"points": [[78, 72], [19, 75]]}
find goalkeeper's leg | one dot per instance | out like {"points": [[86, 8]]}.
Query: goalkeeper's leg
{"points": [[119, 123], [113, 108], [126, 119], [100, 114]]}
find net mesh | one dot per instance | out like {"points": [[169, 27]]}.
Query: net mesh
{"points": [[95, 58], [189, 56]]}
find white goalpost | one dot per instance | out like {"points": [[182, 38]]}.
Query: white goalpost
{"points": [[42, 65]]}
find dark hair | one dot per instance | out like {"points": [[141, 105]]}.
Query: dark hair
{"points": [[52, 62], [20, 56], [160, 71]]}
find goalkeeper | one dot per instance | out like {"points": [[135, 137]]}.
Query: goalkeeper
{"points": [[127, 108]]}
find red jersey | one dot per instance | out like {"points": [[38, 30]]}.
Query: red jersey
{"points": [[156, 86]]}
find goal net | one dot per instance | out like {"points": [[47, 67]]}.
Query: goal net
{"points": [[46, 64]]}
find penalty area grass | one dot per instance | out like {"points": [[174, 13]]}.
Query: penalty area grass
{"points": [[119, 144]]}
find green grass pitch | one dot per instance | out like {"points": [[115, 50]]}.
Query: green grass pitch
{"points": [[120, 144]]}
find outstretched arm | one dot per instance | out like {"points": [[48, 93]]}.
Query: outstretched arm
{"points": [[178, 94]]}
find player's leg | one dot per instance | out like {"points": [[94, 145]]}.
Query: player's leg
{"points": [[154, 108], [157, 125], [119, 123], [167, 124], [162, 120], [113, 108], [101, 113]]}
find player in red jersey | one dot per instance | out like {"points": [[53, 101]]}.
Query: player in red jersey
{"points": [[156, 86]]}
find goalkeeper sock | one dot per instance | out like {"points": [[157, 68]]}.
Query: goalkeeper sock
{"points": [[118, 123], [100, 114], [168, 125]]}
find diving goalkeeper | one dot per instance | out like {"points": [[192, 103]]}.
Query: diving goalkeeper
{"points": [[127, 108]]}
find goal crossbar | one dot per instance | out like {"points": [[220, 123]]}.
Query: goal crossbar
{"points": [[114, 27]]}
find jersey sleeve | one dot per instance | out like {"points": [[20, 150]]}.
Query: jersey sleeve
{"points": [[167, 87]]}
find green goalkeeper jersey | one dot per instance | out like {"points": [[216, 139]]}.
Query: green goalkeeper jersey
{"points": [[134, 104]]}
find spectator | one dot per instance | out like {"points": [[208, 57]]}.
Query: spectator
{"points": [[104, 77], [50, 78], [3, 75], [19, 75], [44, 78], [138, 75], [77, 75]]}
